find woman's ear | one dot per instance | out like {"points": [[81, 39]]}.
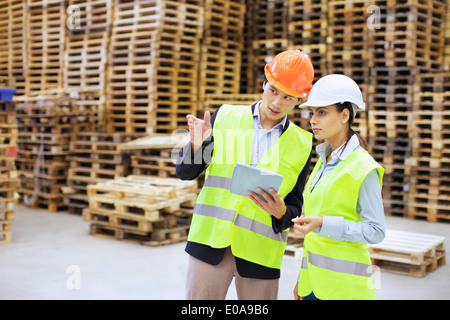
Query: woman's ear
{"points": [[345, 115]]}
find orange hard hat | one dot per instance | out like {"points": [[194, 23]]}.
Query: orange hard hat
{"points": [[292, 72]]}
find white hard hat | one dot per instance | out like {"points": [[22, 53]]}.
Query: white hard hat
{"points": [[333, 89]]}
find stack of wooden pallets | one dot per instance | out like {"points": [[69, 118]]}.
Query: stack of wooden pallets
{"points": [[307, 26], [308, 31], [94, 157], [408, 42], [390, 112], [12, 50], [46, 123], [411, 34], [429, 188], [153, 61], [269, 34], [221, 47], [347, 39], [86, 44], [85, 57], [147, 210], [247, 76], [8, 174], [409, 253], [46, 33], [347, 47]]}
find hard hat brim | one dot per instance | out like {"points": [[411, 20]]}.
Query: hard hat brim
{"points": [[280, 86], [316, 104]]}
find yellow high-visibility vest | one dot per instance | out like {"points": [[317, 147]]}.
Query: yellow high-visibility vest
{"points": [[337, 269], [222, 218]]}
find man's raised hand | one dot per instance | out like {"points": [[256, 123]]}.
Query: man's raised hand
{"points": [[199, 130]]}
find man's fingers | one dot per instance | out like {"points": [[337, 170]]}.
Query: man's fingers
{"points": [[257, 200], [276, 196], [207, 118], [264, 194]]}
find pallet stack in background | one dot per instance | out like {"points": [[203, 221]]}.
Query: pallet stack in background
{"points": [[429, 166], [8, 173], [154, 58], [13, 53], [409, 42], [94, 157], [269, 34], [45, 38], [347, 48], [46, 125], [132, 68], [85, 54]]}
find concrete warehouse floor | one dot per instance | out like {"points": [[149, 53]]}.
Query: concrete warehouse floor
{"points": [[49, 250]]}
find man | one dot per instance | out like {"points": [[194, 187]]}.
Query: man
{"points": [[231, 235]]}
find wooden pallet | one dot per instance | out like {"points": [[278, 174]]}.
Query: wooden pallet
{"points": [[143, 189], [224, 19], [219, 71], [271, 19], [408, 253], [153, 165], [143, 209], [294, 246], [8, 172], [96, 143], [156, 238], [85, 62], [308, 9]]}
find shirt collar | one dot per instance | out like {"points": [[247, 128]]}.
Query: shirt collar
{"points": [[280, 125], [324, 149]]}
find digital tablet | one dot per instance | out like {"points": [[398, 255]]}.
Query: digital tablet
{"points": [[247, 178]]}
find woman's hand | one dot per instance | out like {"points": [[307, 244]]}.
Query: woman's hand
{"points": [[275, 206], [308, 224]]}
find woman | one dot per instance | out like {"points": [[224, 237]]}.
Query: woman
{"points": [[343, 208]]}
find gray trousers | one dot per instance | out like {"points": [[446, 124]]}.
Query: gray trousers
{"points": [[208, 282]]}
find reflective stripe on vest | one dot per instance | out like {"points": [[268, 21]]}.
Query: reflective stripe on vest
{"points": [[214, 212], [260, 228], [337, 265], [217, 182]]}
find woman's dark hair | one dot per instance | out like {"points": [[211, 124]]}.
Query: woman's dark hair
{"points": [[351, 132]]}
